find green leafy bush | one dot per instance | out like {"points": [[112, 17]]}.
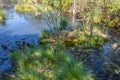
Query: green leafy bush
{"points": [[63, 23], [85, 41], [46, 34], [39, 9]]}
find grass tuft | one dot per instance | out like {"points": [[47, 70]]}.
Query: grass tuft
{"points": [[47, 62]]}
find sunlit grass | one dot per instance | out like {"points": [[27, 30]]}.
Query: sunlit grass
{"points": [[47, 62], [28, 6], [2, 15], [25, 8]]}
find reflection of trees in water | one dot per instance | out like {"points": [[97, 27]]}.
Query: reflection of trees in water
{"points": [[8, 3], [30, 17]]}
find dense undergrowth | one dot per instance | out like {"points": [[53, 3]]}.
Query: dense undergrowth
{"points": [[27, 7], [75, 38], [48, 62]]}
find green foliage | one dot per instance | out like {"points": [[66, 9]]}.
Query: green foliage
{"points": [[46, 34], [110, 16], [28, 6], [2, 15], [64, 4], [39, 9], [49, 2], [85, 41], [58, 4], [48, 62], [70, 70], [112, 20], [63, 23], [115, 19], [28, 1], [25, 8]]}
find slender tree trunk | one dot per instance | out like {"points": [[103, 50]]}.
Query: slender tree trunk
{"points": [[91, 29], [60, 1], [1, 3], [92, 4], [74, 10]]}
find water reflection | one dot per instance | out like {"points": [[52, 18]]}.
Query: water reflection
{"points": [[22, 23]]}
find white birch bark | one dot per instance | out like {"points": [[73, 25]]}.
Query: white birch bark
{"points": [[74, 10]]}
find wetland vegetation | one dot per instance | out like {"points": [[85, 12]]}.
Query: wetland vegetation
{"points": [[59, 40]]}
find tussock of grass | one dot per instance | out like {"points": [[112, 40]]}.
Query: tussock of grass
{"points": [[47, 62], [25, 8]]}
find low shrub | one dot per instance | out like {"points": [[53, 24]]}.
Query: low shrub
{"points": [[86, 41], [63, 23]]}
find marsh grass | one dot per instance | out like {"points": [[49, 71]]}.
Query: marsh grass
{"points": [[2, 15], [25, 8], [47, 62]]}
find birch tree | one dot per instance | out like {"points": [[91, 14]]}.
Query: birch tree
{"points": [[74, 10]]}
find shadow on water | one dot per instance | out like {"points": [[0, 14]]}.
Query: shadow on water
{"points": [[105, 63]]}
